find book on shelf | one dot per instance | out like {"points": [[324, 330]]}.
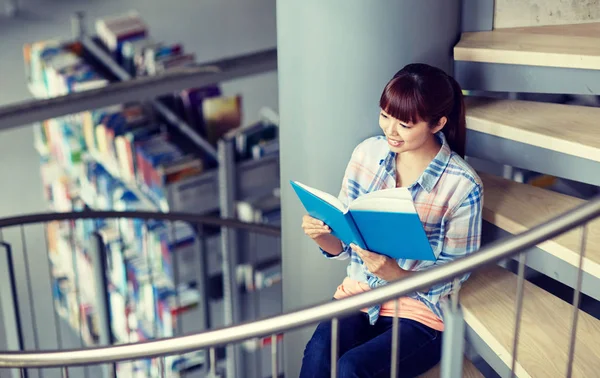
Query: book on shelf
{"points": [[191, 105], [115, 30], [383, 221], [221, 115]]}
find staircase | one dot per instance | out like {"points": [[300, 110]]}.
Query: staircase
{"points": [[549, 138], [553, 139]]}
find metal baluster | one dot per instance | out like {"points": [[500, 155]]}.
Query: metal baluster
{"points": [[395, 340], [576, 299], [77, 286], [65, 372], [274, 369], [334, 346], [453, 342], [36, 340], [254, 295], [176, 272], [99, 257], [175, 259], [202, 284], [12, 318], [518, 313], [213, 363], [57, 327], [126, 300], [161, 367], [150, 261], [23, 372]]}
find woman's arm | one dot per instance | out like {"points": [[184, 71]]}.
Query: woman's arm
{"points": [[463, 236], [330, 244]]}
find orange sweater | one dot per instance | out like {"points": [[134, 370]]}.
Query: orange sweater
{"points": [[408, 308]]}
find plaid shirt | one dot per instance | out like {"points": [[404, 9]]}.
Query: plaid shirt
{"points": [[448, 198]]}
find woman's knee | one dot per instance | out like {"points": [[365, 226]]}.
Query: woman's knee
{"points": [[320, 341], [316, 361], [348, 366]]}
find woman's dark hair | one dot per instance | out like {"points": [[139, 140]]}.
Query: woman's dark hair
{"points": [[420, 92]]}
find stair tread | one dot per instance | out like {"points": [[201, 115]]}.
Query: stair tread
{"points": [[569, 129], [566, 46], [516, 207], [469, 371], [590, 29], [488, 303]]}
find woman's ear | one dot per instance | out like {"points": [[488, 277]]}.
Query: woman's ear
{"points": [[440, 125]]}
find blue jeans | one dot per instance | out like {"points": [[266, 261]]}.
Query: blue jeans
{"points": [[364, 350]]}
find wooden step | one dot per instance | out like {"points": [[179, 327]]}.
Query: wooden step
{"points": [[516, 207], [568, 129], [565, 46], [469, 371], [488, 303]]}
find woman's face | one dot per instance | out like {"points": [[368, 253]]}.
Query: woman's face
{"points": [[404, 136]]}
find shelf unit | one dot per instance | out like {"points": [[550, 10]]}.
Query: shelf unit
{"points": [[217, 190]]}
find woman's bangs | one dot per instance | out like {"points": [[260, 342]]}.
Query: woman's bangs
{"points": [[402, 100]]}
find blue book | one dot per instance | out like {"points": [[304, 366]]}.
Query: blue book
{"points": [[383, 221]]}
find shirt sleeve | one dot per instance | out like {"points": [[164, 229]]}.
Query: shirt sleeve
{"points": [[463, 235], [344, 198]]}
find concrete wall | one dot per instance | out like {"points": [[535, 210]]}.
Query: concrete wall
{"points": [[334, 60], [518, 13], [213, 29]]}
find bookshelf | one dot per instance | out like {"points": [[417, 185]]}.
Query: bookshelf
{"points": [[84, 168]]}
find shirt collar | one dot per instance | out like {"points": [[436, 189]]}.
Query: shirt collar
{"points": [[430, 177]]}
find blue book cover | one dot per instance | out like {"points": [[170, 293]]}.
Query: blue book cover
{"points": [[384, 221]]}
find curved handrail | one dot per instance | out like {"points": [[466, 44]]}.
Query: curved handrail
{"points": [[146, 215], [299, 318]]}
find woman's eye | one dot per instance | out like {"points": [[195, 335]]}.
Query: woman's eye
{"points": [[383, 115], [405, 126]]}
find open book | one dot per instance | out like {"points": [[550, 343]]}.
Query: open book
{"points": [[383, 221]]}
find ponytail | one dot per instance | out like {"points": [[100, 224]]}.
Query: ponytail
{"points": [[456, 127]]}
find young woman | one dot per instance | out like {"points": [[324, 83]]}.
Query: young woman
{"points": [[423, 121]]}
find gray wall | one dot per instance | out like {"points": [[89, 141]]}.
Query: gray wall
{"points": [[334, 60], [213, 29]]}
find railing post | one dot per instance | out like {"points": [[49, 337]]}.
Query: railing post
{"points": [[11, 337], [98, 259], [453, 342], [227, 191]]}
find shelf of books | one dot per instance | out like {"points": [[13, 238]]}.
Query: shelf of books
{"points": [[136, 157]]}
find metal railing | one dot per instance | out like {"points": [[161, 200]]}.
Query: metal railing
{"points": [[209, 277], [332, 310], [19, 114]]}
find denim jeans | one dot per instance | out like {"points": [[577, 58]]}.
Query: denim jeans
{"points": [[364, 350]]}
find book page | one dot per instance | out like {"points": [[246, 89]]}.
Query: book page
{"points": [[384, 205], [332, 200], [397, 200]]}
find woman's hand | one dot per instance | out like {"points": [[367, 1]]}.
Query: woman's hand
{"points": [[380, 265], [321, 234], [314, 228]]}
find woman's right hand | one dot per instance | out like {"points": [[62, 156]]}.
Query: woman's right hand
{"points": [[314, 228]]}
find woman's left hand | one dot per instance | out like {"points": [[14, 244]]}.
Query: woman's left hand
{"points": [[380, 265]]}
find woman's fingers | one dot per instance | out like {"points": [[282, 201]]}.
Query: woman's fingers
{"points": [[314, 227], [315, 232], [307, 219]]}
